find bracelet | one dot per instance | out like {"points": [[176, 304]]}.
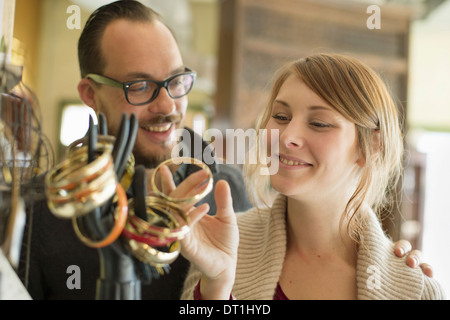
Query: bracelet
{"points": [[76, 206], [130, 233], [137, 230], [169, 210], [83, 199], [120, 219], [127, 178], [102, 139], [82, 190], [152, 256], [174, 164], [161, 230], [75, 169], [75, 187]]}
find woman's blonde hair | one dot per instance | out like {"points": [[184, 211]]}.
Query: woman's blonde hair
{"points": [[359, 94]]}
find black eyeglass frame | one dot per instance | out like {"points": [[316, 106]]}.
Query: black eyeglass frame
{"points": [[101, 79]]}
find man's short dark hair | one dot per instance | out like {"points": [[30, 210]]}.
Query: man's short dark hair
{"points": [[89, 45]]}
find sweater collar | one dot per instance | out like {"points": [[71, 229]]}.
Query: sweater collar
{"points": [[380, 274]]}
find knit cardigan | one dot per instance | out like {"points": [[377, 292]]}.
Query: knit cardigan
{"points": [[380, 274]]}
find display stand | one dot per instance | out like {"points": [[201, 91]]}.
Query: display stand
{"points": [[118, 277]]}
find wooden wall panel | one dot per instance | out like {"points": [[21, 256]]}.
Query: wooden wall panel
{"points": [[258, 36]]}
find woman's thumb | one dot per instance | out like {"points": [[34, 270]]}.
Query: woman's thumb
{"points": [[224, 201]]}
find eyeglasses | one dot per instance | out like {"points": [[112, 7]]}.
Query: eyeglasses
{"points": [[141, 92]]}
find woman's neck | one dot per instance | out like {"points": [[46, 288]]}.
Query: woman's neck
{"points": [[315, 228]]}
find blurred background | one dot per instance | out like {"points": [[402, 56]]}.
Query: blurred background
{"points": [[236, 45]]}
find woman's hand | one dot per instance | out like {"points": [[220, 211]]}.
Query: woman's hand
{"points": [[413, 258], [212, 243]]}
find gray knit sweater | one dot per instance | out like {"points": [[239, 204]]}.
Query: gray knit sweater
{"points": [[262, 247]]}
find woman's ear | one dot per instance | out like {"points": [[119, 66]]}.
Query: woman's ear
{"points": [[376, 143], [361, 162], [86, 91], [376, 149]]}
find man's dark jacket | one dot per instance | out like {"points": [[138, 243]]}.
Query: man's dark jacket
{"points": [[53, 250]]}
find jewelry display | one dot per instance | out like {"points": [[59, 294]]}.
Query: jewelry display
{"points": [[120, 218], [99, 188], [75, 187]]}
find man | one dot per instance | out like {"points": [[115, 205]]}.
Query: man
{"points": [[122, 44], [127, 42]]}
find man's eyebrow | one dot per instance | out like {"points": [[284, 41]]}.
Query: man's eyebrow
{"points": [[138, 75], [178, 70], [146, 76]]}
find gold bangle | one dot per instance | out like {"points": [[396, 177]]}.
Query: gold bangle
{"points": [[83, 189], [75, 169], [154, 241], [83, 201], [75, 187], [127, 177], [152, 256], [172, 163], [102, 139], [120, 219], [173, 230]]}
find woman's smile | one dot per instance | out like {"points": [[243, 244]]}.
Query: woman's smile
{"points": [[290, 162]]}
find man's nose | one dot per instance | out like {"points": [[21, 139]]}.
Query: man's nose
{"points": [[163, 103]]}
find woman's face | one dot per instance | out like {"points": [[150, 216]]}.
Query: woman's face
{"points": [[318, 149]]}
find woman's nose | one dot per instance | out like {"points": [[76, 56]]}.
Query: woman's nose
{"points": [[292, 137]]}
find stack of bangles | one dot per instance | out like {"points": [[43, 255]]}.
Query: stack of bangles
{"points": [[156, 240], [127, 177], [76, 187]]}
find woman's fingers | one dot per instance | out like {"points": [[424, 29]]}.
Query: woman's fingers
{"points": [[167, 183], [196, 213], [402, 247], [224, 202], [193, 185]]}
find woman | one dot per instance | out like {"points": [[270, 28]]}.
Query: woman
{"points": [[340, 156]]}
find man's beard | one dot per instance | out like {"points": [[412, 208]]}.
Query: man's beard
{"points": [[151, 160], [144, 157]]}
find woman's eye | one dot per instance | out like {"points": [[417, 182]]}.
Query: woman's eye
{"points": [[320, 124], [280, 117]]}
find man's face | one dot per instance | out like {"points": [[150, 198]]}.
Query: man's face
{"points": [[142, 51]]}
